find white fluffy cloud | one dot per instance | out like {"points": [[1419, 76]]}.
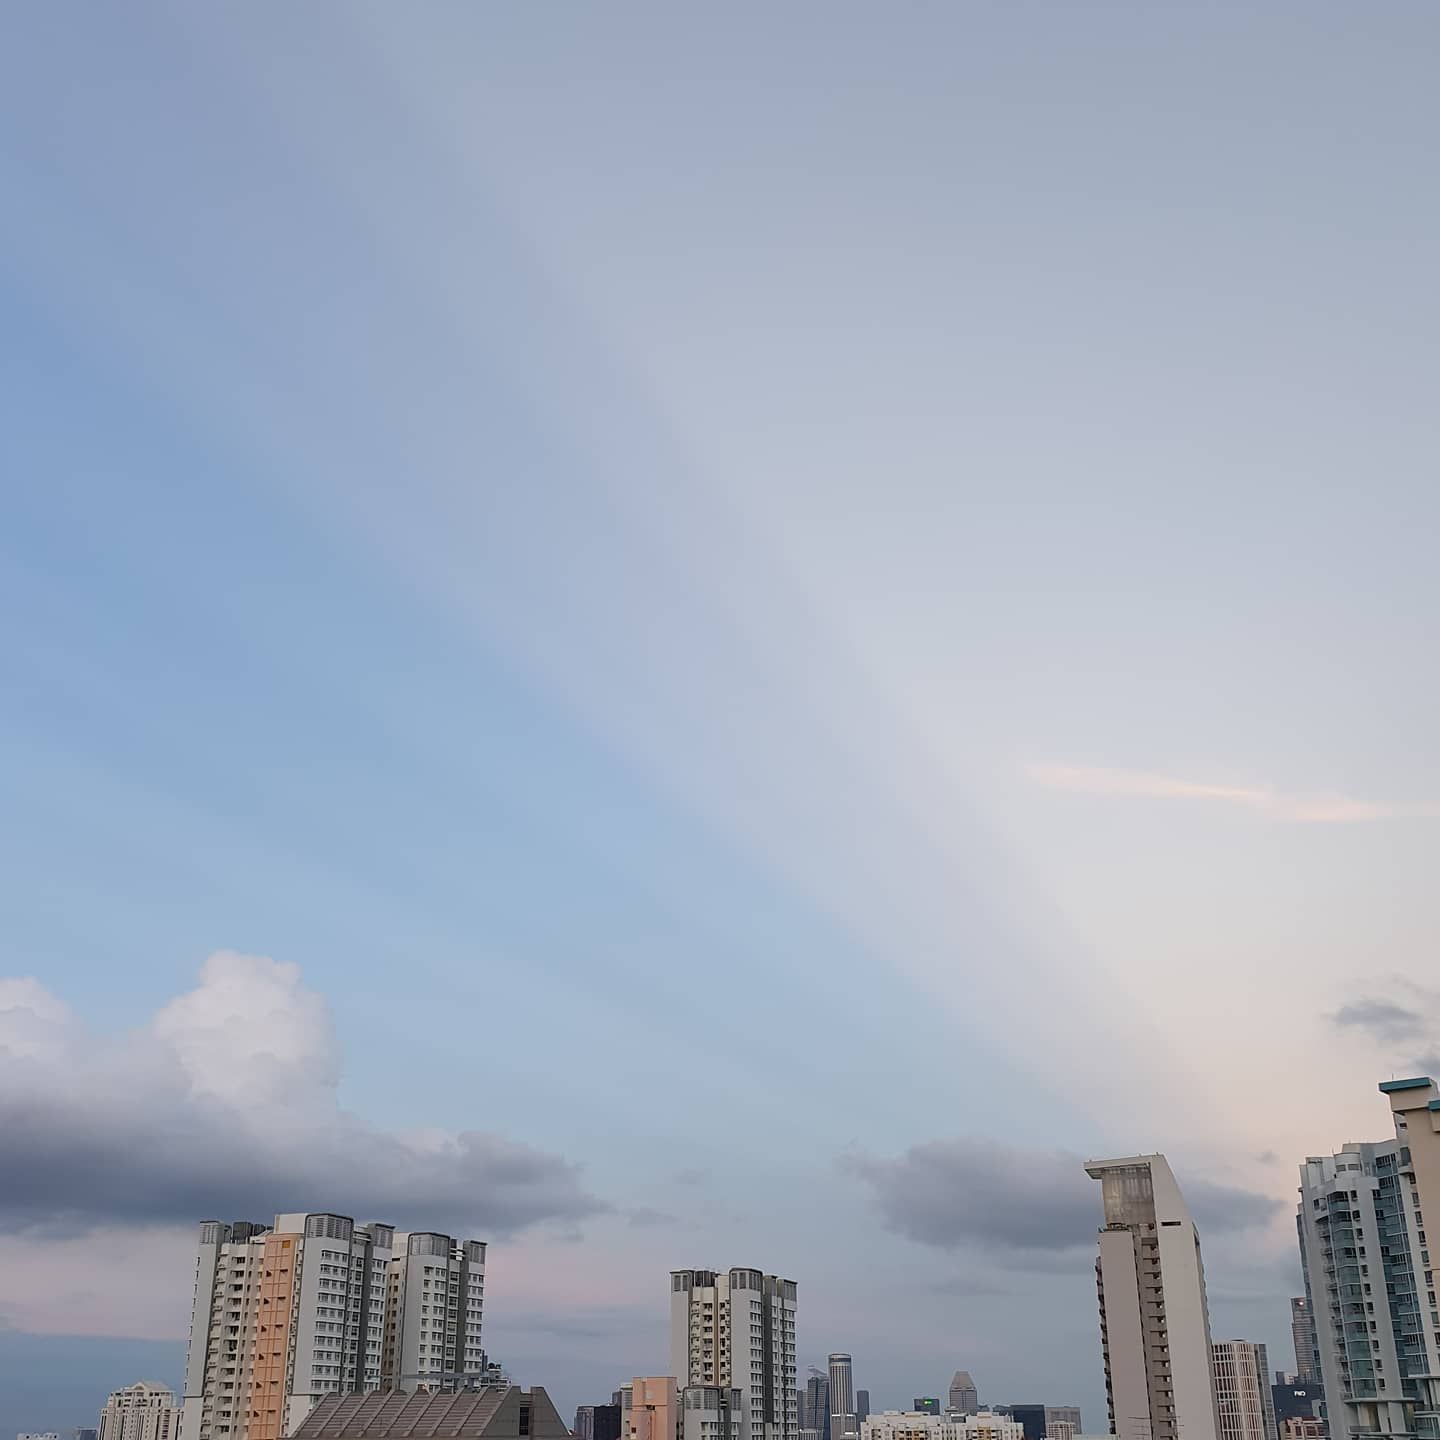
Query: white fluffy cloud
{"points": [[225, 1105]]}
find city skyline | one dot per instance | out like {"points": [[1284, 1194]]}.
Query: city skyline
{"points": [[549, 555]]}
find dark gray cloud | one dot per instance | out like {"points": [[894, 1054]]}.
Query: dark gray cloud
{"points": [[1028, 1204], [1384, 1020], [225, 1107]]}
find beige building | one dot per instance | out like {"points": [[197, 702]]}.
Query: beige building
{"points": [[434, 1306], [1154, 1320], [1243, 1403], [143, 1411], [654, 1412], [922, 1425], [735, 1329]]}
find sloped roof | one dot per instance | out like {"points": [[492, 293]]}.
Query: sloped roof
{"points": [[392, 1415]]}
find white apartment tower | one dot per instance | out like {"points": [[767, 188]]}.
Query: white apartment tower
{"points": [[1244, 1406], [434, 1302], [735, 1329], [143, 1411], [1368, 1281], [1154, 1322], [284, 1315]]}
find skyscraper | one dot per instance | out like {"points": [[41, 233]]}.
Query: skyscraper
{"points": [[1031, 1418], [1154, 1322], [815, 1405], [736, 1328], [926, 1404], [1243, 1404], [843, 1419], [964, 1397], [1062, 1422], [862, 1406], [1302, 1332], [143, 1411], [285, 1314]]}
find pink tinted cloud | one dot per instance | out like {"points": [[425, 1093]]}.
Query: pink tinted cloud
{"points": [[1322, 808]]}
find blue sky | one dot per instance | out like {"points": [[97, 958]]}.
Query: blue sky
{"points": [[776, 607]]}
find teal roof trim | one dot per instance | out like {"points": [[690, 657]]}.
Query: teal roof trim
{"points": [[1419, 1082]]}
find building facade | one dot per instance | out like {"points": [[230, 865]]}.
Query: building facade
{"points": [[711, 1412], [144, 1411], [1031, 1419], [815, 1404], [1243, 1404], [1302, 1335], [1293, 1399], [434, 1307], [844, 1419], [494, 1412], [1359, 1225], [286, 1314], [1062, 1422], [926, 1404], [654, 1409], [1154, 1319], [862, 1406], [917, 1425], [964, 1397], [735, 1329]]}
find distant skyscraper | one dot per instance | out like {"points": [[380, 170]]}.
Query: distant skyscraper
{"points": [[843, 1419], [606, 1423], [1032, 1418], [862, 1406], [1243, 1404], [144, 1411], [1154, 1322], [1302, 1331], [1062, 1422], [1294, 1399], [963, 1394], [927, 1404], [584, 1422], [815, 1404], [736, 1328]]}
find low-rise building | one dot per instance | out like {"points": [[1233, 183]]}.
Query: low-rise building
{"points": [[495, 1412], [917, 1425]]}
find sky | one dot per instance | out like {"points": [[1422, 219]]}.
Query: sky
{"points": [[700, 637]]}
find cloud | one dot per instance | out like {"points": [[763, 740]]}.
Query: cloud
{"points": [[1383, 1019], [646, 1217], [1322, 808], [1026, 1203], [1407, 1019], [691, 1176], [225, 1105]]}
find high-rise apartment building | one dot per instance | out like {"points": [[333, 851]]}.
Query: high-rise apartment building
{"points": [[1368, 1274], [1359, 1223], [1243, 1404], [434, 1304], [735, 1329], [1302, 1333], [284, 1315], [1154, 1321], [844, 1421], [143, 1411], [964, 1397]]}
